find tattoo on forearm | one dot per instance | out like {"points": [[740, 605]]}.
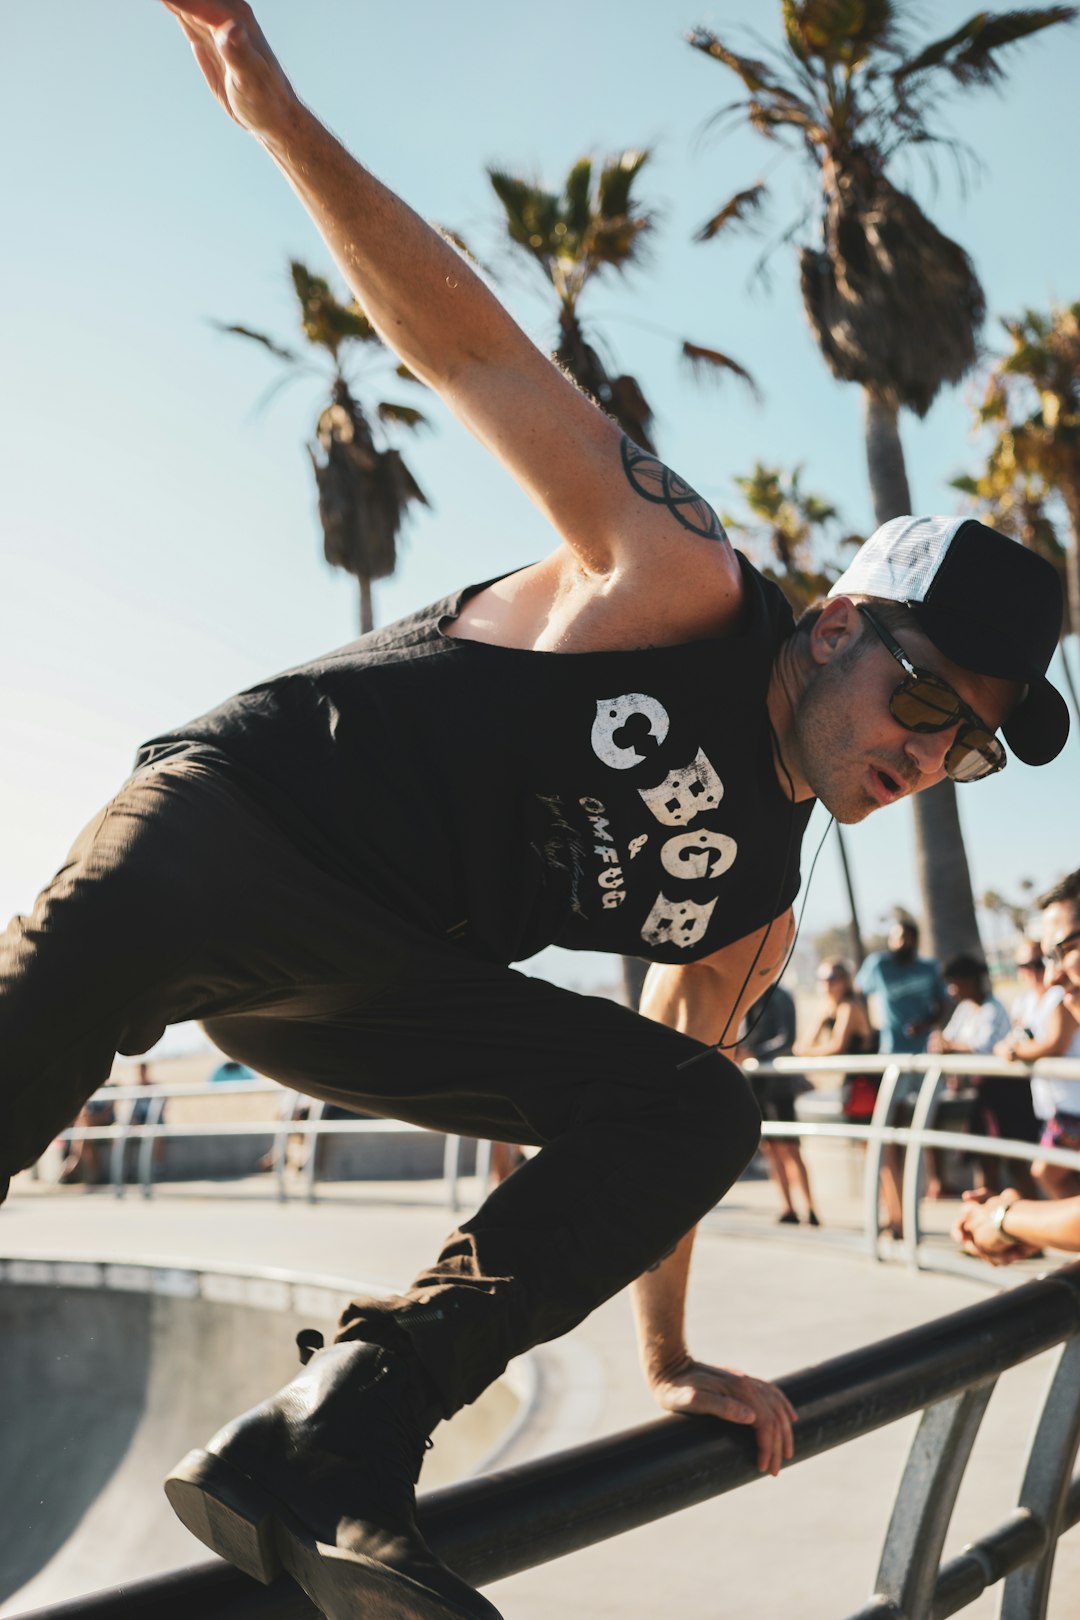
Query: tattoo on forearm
{"points": [[654, 482]]}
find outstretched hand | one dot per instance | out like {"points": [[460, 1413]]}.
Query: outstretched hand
{"points": [[237, 63], [691, 1388]]}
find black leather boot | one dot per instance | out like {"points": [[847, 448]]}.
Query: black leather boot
{"points": [[320, 1480]]}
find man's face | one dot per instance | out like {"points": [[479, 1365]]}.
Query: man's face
{"points": [[854, 755], [902, 941], [1061, 931]]}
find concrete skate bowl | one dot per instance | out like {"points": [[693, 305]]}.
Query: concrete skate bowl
{"points": [[112, 1371]]}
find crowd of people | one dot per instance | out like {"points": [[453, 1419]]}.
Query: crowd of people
{"points": [[901, 1003]]}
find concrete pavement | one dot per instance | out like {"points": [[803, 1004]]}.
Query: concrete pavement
{"points": [[772, 1302]]}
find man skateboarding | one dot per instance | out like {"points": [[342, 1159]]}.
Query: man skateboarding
{"points": [[616, 748]]}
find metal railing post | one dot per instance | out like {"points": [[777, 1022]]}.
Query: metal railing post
{"points": [[924, 1504], [146, 1146], [1046, 1486], [875, 1156], [926, 1106], [311, 1168]]}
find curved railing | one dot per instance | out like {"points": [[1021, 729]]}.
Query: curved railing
{"points": [[490, 1528], [156, 1130], [921, 1133]]}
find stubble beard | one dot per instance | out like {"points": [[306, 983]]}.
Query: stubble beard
{"points": [[823, 736]]}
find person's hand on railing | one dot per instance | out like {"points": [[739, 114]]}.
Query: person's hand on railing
{"points": [[693, 1389], [979, 1232]]}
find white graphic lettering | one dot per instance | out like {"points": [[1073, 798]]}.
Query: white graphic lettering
{"points": [[623, 725], [684, 794], [610, 878], [638, 844], [676, 922], [688, 854]]}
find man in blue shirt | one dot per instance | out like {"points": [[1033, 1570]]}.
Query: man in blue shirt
{"points": [[910, 988]]}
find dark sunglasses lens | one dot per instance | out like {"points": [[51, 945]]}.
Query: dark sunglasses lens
{"points": [[924, 705], [974, 754]]}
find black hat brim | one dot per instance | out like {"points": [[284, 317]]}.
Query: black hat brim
{"points": [[1038, 728]]}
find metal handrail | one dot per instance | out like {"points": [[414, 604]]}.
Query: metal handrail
{"points": [[877, 1134], [920, 1134], [156, 1128], [493, 1527]]}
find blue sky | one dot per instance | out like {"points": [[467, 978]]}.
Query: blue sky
{"points": [[158, 540]]}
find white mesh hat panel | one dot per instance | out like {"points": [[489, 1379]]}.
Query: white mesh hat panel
{"points": [[900, 560]]}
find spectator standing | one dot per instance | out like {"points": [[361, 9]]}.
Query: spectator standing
{"points": [[910, 989], [1030, 970], [845, 1029], [83, 1157], [979, 1022], [770, 1033], [912, 997]]}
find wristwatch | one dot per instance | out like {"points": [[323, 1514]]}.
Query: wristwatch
{"points": [[997, 1220]]}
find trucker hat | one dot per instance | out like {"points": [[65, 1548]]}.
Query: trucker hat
{"points": [[985, 601]]}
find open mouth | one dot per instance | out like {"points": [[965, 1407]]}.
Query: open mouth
{"points": [[887, 787]]}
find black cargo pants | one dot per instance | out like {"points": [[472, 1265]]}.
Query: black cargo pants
{"points": [[184, 900]]}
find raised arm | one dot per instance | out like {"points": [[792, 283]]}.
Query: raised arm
{"points": [[610, 503], [708, 1000]]}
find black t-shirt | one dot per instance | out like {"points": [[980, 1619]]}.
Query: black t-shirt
{"points": [[610, 801]]}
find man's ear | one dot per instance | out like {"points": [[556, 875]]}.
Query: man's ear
{"points": [[838, 627]]}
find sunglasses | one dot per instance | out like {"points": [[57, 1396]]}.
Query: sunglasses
{"points": [[925, 702], [1056, 954]]}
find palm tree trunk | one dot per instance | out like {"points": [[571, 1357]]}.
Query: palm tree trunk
{"points": [[947, 903], [858, 949], [367, 612]]}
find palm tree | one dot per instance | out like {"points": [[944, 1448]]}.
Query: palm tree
{"points": [[895, 305], [790, 534], [593, 227], [785, 534], [1032, 403], [365, 488]]}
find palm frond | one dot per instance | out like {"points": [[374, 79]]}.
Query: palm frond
{"points": [[969, 54], [578, 211], [616, 182], [275, 349], [753, 73], [839, 33], [403, 415], [706, 363], [735, 212], [326, 321]]}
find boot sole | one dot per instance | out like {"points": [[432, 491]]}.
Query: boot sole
{"points": [[240, 1521]]}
